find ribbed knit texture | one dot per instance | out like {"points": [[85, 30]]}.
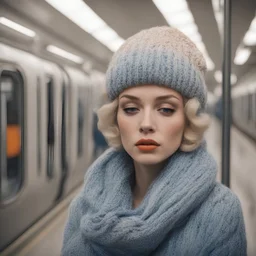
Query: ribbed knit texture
{"points": [[185, 211], [159, 56]]}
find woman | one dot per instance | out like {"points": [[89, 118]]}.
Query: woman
{"points": [[154, 192]]}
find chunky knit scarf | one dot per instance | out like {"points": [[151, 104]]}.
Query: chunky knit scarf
{"points": [[179, 210]]}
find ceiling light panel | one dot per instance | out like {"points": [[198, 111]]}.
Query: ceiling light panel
{"points": [[250, 35], [114, 45], [88, 22], [250, 38], [105, 34], [243, 52], [253, 24], [178, 15], [218, 6], [189, 30], [13, 25], [242, 55], [218, 77], [64, 54], [83, 16], [171, 6], [180, 19]]}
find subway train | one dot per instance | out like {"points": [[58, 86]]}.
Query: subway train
{"points": [[46, 136], [243, 105]]}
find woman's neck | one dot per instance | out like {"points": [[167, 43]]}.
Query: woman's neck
{"points": [[144, 176]]}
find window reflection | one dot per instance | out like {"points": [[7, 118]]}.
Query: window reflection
{"points": [[11, 133]]}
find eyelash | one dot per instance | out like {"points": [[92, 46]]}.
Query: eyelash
{"points": [[130, 110], [169, 110], [166, 111]]}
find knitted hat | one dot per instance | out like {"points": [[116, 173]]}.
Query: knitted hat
{"points": [[159, 56]]}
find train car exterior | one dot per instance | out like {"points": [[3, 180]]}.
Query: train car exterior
{"points": [[243, 104], [46, 137]]}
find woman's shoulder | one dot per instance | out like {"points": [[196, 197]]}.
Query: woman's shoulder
{"points": [[222, 213], [222, 199], [222, 205], [221, 219]]}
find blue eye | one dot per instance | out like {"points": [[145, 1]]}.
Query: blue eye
{"points": [[130, 110], [166, 110]]}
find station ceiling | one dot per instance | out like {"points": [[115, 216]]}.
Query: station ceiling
{"points": [[129, 17]]}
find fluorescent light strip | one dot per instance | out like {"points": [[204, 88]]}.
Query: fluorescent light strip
{"points": [[83, 16], [171, 6], [242, 55], [114, 45], [105, 34], [250, 38], [189, 30], [253, 24], [219, 15], [180, 19], [13, 25], [250, 35], [64, 54], [218, 77], [178, 15]]}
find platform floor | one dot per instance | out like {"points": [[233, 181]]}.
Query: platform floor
{"points": [[243, 174], [243, 183]]}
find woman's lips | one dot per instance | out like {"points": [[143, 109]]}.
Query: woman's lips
{"points": [[147, 145]]}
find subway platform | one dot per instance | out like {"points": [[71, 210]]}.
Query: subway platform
{"points": [[243, 182]]}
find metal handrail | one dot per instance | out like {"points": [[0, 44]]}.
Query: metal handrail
{"points": [[226, 94]]}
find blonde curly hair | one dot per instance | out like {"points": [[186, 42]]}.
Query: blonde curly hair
{"points": [[196, 125]]}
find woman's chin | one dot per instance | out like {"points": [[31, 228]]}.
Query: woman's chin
{"points": [[149, 158]]}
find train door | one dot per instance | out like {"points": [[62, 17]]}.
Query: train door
{"points": [[85, 124], [99, 98], [82, 119], [26, 193], [251, 104], [71, 129], [65, 158], [89, 142], [55, 90]]}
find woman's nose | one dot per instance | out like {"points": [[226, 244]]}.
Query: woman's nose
{"points": [[147, 124], [146, 129]]}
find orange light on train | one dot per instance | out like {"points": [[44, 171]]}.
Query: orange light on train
{"points": [[13, 142]]}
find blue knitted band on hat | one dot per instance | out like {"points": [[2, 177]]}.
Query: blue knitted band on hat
{"points": [[159, 56], [158, 67]]}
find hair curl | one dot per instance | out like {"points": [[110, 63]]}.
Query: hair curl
{"points": [[196, 125]]}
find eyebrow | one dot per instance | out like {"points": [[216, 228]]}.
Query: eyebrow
{"points": [[165, 97]]}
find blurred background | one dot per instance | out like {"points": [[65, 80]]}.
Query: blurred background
{"points": [[53, 58]]}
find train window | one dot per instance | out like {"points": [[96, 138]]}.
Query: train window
{"points": [[63, 130], [254, 106], [51, 130], [240, 109], [11, 120], [245, 106], [81, 113], [38, 124], [250, 98]]}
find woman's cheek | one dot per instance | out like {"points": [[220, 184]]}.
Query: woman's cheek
{"points": [[124, 125]]}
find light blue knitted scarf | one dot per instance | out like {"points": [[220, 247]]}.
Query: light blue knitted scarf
{"points": [[167, 222]]}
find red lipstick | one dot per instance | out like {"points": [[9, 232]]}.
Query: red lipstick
{"points": [[147, 145]]}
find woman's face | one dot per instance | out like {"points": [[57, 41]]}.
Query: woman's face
{"points": [[151, 121]]}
